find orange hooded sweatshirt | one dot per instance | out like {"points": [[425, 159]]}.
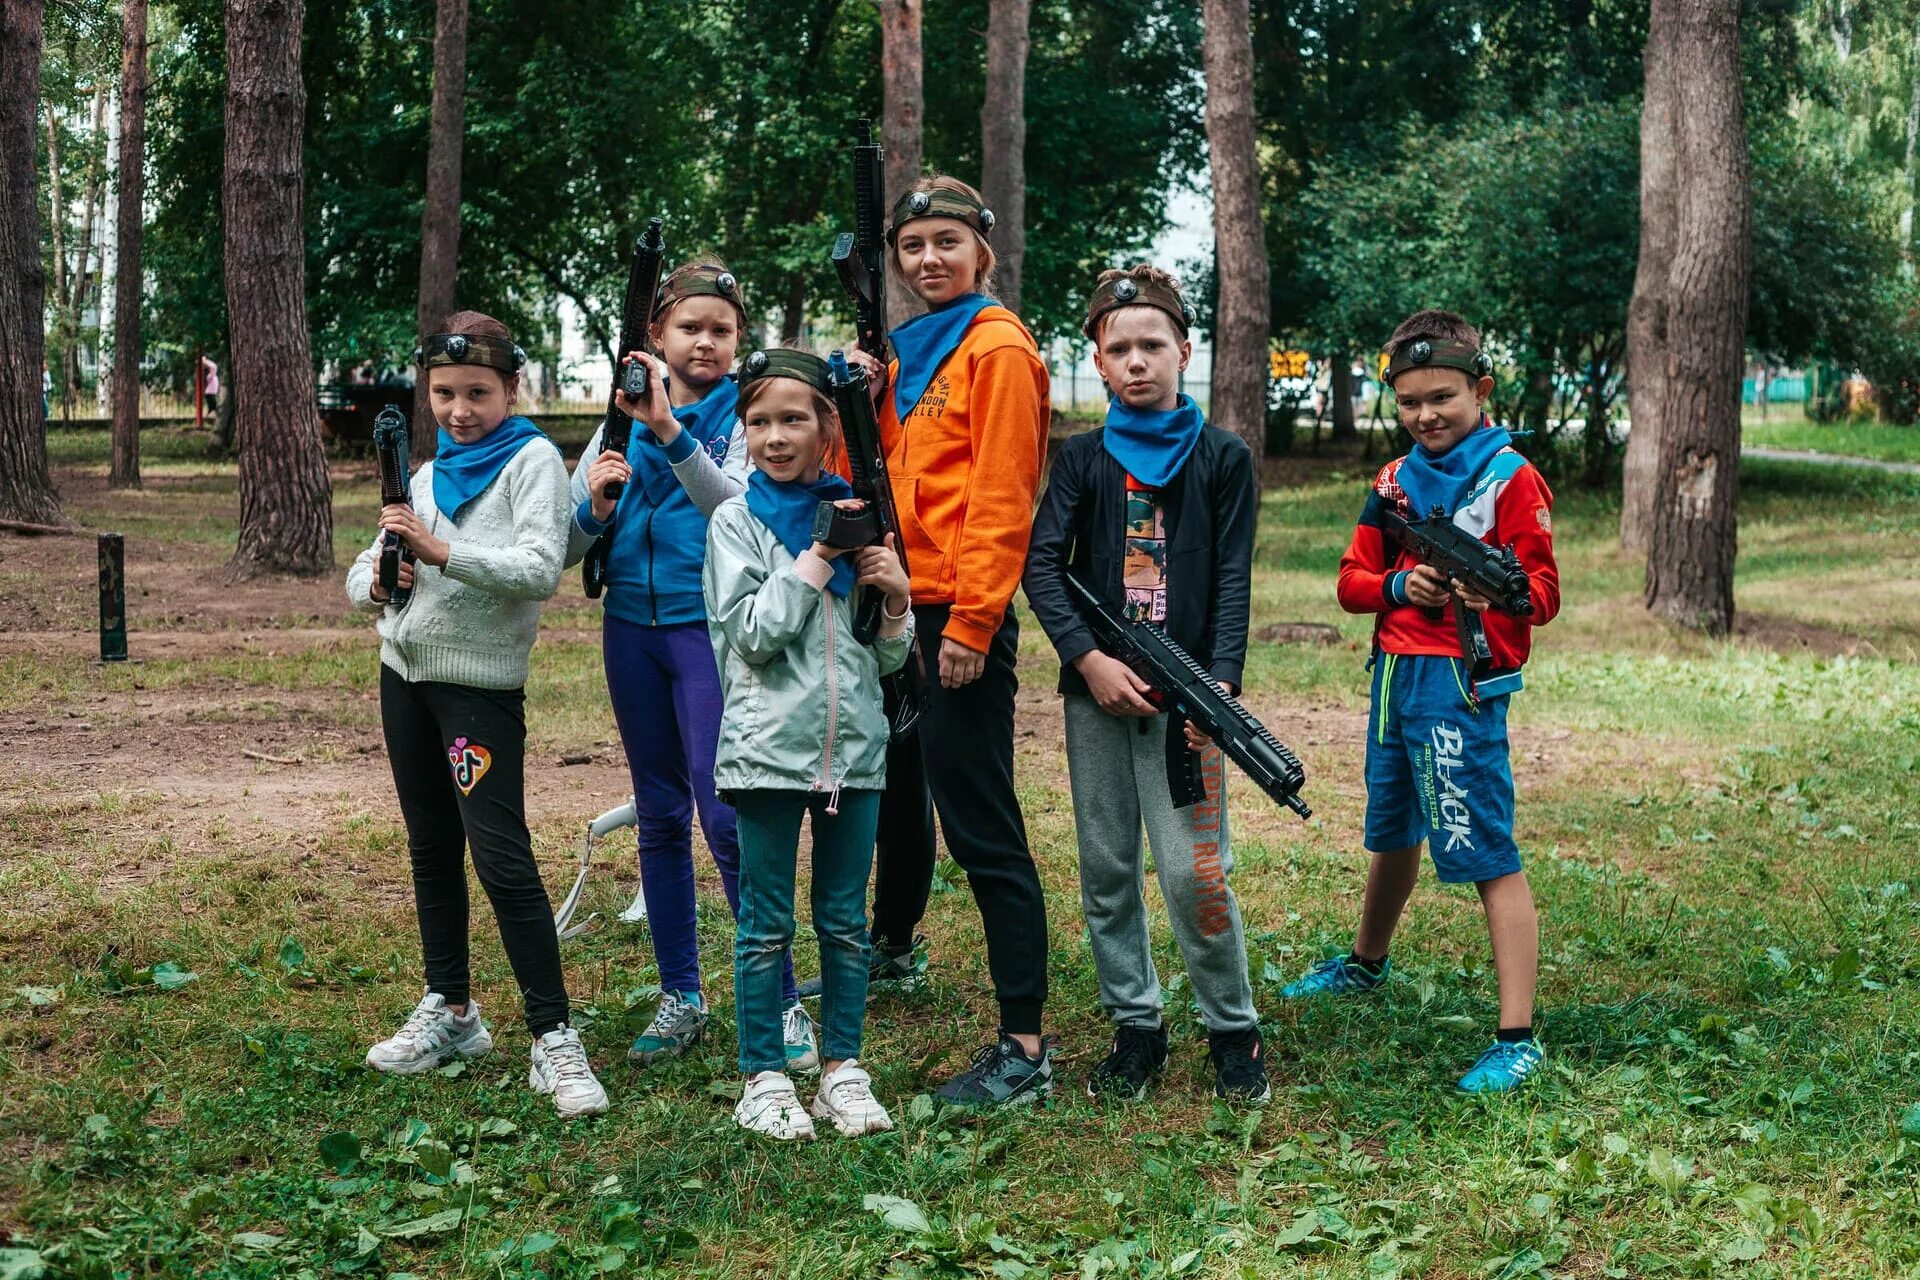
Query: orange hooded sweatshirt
{"points": [[966, 472]]}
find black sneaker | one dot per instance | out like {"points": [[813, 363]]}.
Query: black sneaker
{"points": [[1001, 1073], [1139, 1056], [1238, 1073], [901, 971]]}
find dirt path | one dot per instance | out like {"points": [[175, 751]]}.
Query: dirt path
{"points": [[1831, 459]]}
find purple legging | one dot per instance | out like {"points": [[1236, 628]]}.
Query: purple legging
{"points": [[666, 700]]}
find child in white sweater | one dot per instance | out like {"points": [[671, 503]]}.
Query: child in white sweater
{"points": [[487, 527]]}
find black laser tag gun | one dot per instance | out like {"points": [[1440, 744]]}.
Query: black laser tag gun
{"points": [[905, 689], [1494, 572], [629, 376], [390, 447], [860, 255], [847, 530], [1188, 692]]}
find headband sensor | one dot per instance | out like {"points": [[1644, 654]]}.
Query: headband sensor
{"points": [[700, 282], [1125, 291], [1439, 353], [470, 348], [942, 203], [785, 362]]}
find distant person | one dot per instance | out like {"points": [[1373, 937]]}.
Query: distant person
{"points": [[210, 385], [488, 530], [46, 393], [1437, 765]]}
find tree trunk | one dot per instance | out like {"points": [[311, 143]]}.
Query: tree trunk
{"points": [[440, 216], [80, 277], [26, 494], [1913, 136], [1341, 394], [1647, 312], [286, 509], [1690, 551], [125, 470], [57, 229], [902, 115], [1241, 322], [1003, 141]]}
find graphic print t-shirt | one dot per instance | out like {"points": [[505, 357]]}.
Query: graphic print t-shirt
{"points": [[1144, 571]]}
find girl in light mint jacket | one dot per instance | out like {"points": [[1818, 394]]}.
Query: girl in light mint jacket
{"points": [[803, 733]]}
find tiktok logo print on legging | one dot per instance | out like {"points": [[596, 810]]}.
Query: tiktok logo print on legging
{"points": [[470, 762]]}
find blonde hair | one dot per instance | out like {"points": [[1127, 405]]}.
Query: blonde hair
{"points": [[988, 260]]}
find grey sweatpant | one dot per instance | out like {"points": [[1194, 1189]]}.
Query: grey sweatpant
{"points": [[1119, 778]]}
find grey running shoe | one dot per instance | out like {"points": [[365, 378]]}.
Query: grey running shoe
{"points": [[431, 1037], [1001, 1074], [677, 1026]]}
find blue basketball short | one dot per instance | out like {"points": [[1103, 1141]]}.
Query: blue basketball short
{"points": [[1437, 769]]}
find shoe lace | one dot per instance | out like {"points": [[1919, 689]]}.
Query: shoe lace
{"points": [[671, 1007], [1132, 1053], [420, 1024], [795, 1024], [850, 1088], [568, 1059], [985, 1060], [1232, 1054]]}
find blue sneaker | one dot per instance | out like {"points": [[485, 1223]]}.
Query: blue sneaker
{"points": [[1505, 1065], [1335, 977]]}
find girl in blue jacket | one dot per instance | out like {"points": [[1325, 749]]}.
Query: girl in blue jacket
{"points": [[660, 668]]}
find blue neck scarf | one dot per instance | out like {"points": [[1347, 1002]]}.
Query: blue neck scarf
{"points": [[1152, 444], [462, 471], [787, 507], [1443, 479], [713, 414], [924, 343]]}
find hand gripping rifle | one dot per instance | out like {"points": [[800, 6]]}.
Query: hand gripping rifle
{"points": [[905, 689], [390, 448], [1494, 572], [616, 428], [1185, 689], [860, 255]]}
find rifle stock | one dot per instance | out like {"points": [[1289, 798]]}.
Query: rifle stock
{"points": [[616, 428], [1188, 692]]}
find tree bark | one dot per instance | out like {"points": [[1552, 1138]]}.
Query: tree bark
{"points": [[902, 117], [81, 281], [440, 216], [1690, 550], [26, 493], [1003, 141], [286, 508], [1241, 322], [124, 472], [1647, 312], [1340, 411]]}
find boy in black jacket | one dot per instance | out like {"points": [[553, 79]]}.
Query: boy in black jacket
{"points": [[1155, 511]]}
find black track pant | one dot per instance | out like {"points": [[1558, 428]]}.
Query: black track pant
{"points": [[459, 764], [962, 755]]}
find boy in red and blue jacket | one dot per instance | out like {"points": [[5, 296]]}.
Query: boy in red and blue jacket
{"points": [[1436, 767]]}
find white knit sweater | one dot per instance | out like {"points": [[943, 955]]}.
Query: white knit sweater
{"points": [[474, 621]]}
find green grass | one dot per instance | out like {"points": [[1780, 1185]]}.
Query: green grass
{"points": [[1720, 838], [1788, 427]]}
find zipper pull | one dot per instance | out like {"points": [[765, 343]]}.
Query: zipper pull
{"points": [[833, 801]]}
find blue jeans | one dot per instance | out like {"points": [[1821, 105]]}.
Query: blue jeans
{"points": [[842, 856], [666, 699]]}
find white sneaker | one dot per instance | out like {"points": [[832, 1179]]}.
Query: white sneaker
{"points": [[803, 1048], [560, 1068], [769, 1105], [431, 1037], [846, 1098]]}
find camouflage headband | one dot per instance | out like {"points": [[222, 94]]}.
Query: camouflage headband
{"points": [[470, 348], [940, 203], [1129, 292], [785, 362], [700, 282], [1439, 353]]}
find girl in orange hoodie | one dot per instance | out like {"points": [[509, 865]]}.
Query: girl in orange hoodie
{"points": [[964, 420]]}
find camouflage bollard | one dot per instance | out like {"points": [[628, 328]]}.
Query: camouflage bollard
{"points": [[113, 598]]}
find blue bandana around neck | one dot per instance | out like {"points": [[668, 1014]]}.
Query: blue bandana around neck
{"points": [[924, 343], [462, 471], [712, 415], [787, 507], [1152, 444], [1442, 479]]}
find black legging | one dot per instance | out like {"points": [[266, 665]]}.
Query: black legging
{"points": [[962, 757], [459, 760]]}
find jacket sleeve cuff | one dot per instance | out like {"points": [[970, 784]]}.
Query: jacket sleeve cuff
{"points": [[812, 570], [1075, 645], [967, 634], [682, 448], [1228, 674], [583, 516], [1394, 588]]}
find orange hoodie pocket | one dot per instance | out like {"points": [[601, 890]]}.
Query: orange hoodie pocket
{"points": [[926, 556]]}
